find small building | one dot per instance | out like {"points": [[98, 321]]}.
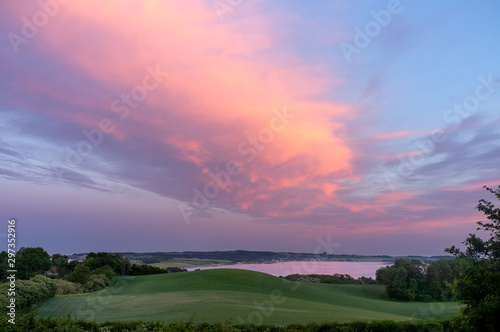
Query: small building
{"points": [[52, 271]]}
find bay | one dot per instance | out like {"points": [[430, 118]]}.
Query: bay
{"points": [[354, 269]]}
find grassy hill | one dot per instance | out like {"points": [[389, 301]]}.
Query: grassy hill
{"points": [[239, 296]]}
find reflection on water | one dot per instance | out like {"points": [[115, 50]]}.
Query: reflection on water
{"points": [[354, 269]]}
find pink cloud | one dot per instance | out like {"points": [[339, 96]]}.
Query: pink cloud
{"points": [[469, 188], [400, 134], [434, 224], [222, 88], [419, 207]]}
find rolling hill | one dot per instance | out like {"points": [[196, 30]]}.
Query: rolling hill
{"points": [[239, 296]]}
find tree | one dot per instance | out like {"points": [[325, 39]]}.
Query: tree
{"points": [[418, 281], [120, 265], [107, 271], [398, 287], [32, 261], [3, 266], [144, 269], [62, 264], [404, 279], [479, 282], [81, 274]]}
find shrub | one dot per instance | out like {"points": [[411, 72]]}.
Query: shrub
{"points": [[81, 274], [31, 323], [144, 269], [67, 287], [29, 292]]}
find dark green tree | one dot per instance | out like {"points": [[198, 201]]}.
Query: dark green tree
{"points": [[107, 271], [81, 274], [3, 266], [419, 281], [32, 261], [120, 265], [398, 287], [71, 265], [144, 269], [479, 284], [62, 264], [404, 279]]}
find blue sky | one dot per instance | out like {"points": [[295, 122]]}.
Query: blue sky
{"points": [[245, 124]]}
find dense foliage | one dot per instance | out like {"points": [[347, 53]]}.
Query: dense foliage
{"points": [[120, 265], [96, 272], [479, 283], [139, 270], [65, 287], [330, 279], [28, 293], [419, 281], [32, 261], [3, 266], [30, 323], [63, 265], [81, 275]]}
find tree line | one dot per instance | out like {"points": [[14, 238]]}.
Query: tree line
{"points": [[473, 276], [40, 276], [420, 281], [337, 278]]}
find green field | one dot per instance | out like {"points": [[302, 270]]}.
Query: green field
{"points": [[239, 296]]}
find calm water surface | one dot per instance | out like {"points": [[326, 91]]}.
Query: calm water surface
{"points": [[354, 269]]}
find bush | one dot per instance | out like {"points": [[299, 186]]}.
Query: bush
{"points": [[96, 283], [106, 270], [31, 323], [67, 287], [81, 274], [138, 270], [29, 293], [330, 279], [119, 264]]}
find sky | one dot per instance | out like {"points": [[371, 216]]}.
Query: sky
{"points": [[365, 127]]}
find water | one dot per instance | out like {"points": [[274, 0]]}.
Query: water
{"points": [[354, 269]]}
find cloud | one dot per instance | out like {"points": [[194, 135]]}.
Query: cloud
{"points": [[459, 158], [225, 87]]}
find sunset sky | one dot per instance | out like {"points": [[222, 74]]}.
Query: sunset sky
{"points": [[370, 126]]}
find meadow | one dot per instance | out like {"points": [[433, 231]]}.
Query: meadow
{"points": [[239, 296]]}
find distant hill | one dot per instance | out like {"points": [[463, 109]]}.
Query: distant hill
{"points": [[244, 256]]}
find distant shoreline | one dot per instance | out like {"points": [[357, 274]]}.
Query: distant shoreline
{"points": [[190, 259], [353, 269]]}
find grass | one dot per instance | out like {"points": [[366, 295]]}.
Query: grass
{"points": [[240, 296]]}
